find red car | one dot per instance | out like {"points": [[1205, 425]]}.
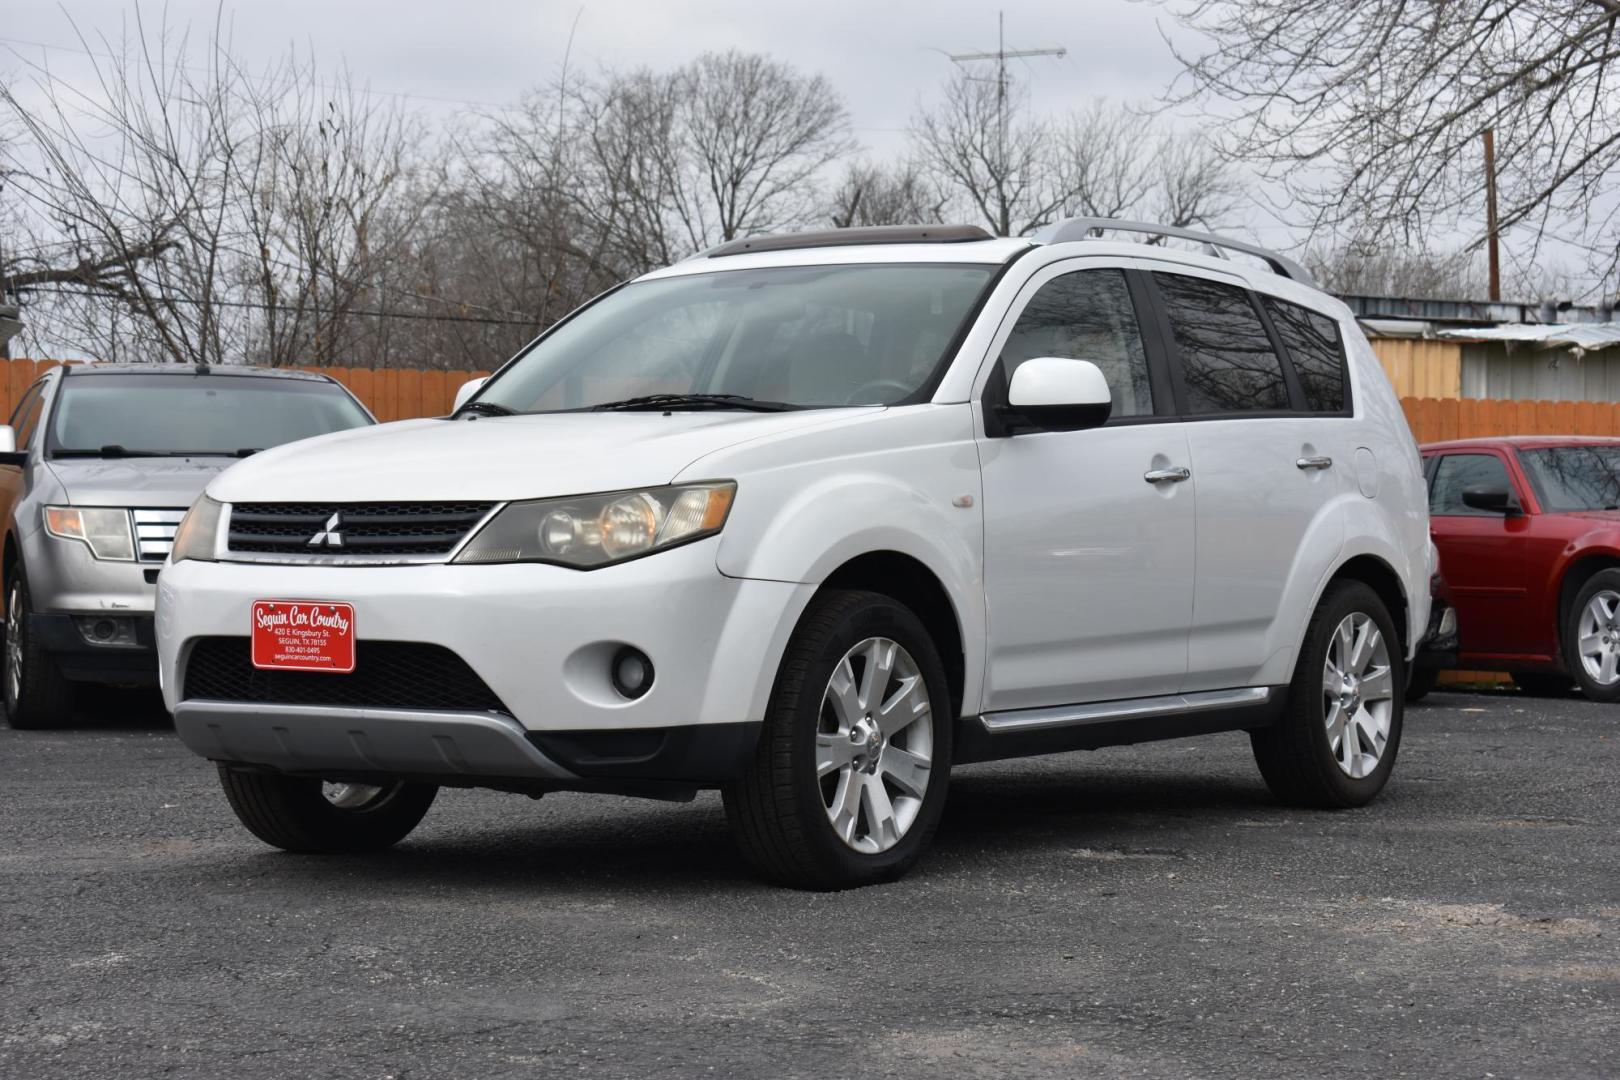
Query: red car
{"points": [[1529, 535]]}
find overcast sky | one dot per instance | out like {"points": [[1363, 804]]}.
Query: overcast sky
{"points": [[883, 55]]}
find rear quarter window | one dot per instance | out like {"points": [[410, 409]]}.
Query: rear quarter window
{"points": [[1316, 351]]}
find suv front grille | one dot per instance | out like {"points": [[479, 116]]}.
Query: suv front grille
{"points": [[387, 675], [154, 533], [310, 530]]}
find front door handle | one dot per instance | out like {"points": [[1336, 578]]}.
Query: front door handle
{"points": [[1174, 474], [1321, 461]]}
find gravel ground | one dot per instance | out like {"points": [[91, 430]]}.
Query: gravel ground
{"points": [[1138, 912]]}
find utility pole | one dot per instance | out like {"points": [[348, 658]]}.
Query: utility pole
{"points": [[1001, 56], [1490, 215]]}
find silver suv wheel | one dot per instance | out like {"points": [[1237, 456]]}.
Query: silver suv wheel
{"points": [[1358, 694], [874, 745], [1599, 637]]}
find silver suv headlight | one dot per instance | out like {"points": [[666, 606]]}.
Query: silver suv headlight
{"points": [[104, 530], [588, 531], [198, 532]]}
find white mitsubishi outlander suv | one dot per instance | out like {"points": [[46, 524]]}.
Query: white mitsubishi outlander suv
{"points": [[813, 519]]}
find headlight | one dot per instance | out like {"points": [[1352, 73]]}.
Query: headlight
{"points": [[593, 530], [198, 532], [103, 530]]}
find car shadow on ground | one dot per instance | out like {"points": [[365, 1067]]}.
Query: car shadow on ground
{"points": [[687, 848], [117, 708]]}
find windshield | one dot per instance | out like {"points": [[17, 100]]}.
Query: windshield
{"points": [[195, 414], [805, 336], [1575, 477]]}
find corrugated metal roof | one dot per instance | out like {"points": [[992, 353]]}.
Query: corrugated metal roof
{"points": [[1577, 337]]}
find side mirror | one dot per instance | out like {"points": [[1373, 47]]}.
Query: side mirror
{"points": [[1493, 500], [468, 389], [9, 454], [1050, 393]]}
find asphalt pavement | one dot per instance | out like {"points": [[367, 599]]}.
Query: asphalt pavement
{"points": [[1134, 912]]}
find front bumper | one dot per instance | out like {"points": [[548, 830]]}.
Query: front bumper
{"points": [[84, 661], [1439, 646], [541, 637]]}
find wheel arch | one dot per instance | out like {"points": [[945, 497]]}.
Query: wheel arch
{"points": [[1572, 577], [1381, 577], [910, 581]]}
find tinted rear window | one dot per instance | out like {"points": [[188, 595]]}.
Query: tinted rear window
{"points": [[1227, 362], [1312, 341], [198, 414]]}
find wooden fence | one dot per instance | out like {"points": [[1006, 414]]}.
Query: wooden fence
{"points": [[403, 393]]}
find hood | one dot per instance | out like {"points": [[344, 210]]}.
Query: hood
{"points": [[153, 482], [494, 459]]}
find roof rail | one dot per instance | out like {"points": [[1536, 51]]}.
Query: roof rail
{"points": [[873, 234], [1081, 228]]}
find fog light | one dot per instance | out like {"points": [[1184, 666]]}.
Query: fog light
{"points": [[106, 630], [632, 672]]}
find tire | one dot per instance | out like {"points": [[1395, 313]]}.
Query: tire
{"points": [[1303, 764], [1591, 634], [36, 693], [782, 809], [1542, 684], [1421, 682], [295, 814]]}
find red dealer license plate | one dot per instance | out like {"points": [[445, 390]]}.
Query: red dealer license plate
{"points": [[303, 635]]}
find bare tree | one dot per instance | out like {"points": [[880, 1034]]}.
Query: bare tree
{"points": [[871, 194], [1385, 103], [1373, 269], [1017, 173], [753, 136], [1003, 165]]}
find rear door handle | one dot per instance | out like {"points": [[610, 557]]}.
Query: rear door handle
{"points": [[1321, 461], [1175, 474]]}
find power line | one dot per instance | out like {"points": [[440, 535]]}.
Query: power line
{"points": [[312, 312]]}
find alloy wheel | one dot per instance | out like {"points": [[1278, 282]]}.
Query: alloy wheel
{"points": [[1358, 694], [1599, 638], [352, 796], [14, 647], [874, 745]]}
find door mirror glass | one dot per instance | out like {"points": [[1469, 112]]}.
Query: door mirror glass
{"points": [[468, 389], [8, 439], [1495, 500], [1050, 393]]}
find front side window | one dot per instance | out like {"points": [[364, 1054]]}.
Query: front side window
{"points": [[1227, 362], [135, 414], [1313, 344], [1459, 472], [1086, 315], [1575, 477], [800, 336]]}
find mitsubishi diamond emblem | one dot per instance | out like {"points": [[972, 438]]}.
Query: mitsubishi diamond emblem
{"points": [[329, 534]]}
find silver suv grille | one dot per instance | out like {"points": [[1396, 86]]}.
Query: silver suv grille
{"points": [[154, 532], [298, 531]]}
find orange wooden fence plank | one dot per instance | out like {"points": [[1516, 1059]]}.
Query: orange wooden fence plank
{"points": [[1448, 418], [360, 384], [435, 401], [409, 402]]}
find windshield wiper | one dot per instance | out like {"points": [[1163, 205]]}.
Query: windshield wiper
{"points": [[695, 401], [114, 450], [487, 408]]}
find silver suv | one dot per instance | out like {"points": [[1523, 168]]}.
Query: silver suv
{"points": [[97, 467]]}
